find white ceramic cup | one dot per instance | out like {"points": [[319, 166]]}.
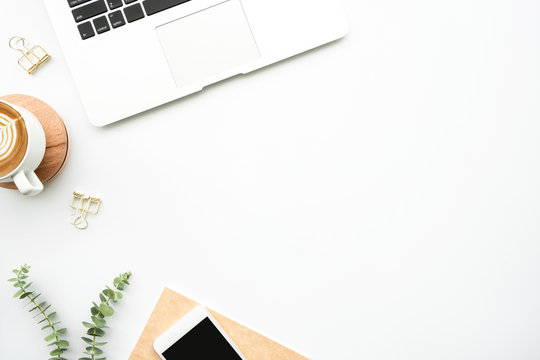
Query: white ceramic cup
{"points": [[24, 176]]}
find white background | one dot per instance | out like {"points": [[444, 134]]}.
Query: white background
{"points": [[377, 198]]}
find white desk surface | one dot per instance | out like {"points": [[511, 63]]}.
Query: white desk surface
{"points": [[377, 198]]}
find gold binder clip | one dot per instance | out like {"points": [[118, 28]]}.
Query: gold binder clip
{"points": [[32, 58], [83, 205]]}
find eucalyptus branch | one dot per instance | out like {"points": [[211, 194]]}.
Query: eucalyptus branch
{"points": [[98, 315], [41, 308]]}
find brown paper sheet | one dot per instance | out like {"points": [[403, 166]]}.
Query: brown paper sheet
{"points": [[172, 306]]}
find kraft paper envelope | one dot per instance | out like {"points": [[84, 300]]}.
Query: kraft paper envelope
{"points": [[172, 306]]}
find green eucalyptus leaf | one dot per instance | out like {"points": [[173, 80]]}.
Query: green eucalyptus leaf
{"points": [[106, 310], [59, 343], [88, 325], [57, 352], [62, 343], [50, 337], [109, 293], [26, 286], [99, 322], [95, 332], [50, 325]]}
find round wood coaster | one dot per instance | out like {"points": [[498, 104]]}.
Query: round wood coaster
{"points": [[56, 136]]}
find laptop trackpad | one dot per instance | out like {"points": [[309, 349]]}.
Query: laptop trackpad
{"points": [[203, 45]]}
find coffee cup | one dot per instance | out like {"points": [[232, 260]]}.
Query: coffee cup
{"points": [[22, 147]]}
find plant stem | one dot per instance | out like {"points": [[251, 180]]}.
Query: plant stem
{"points": [[94, 336], [93, 345], [33, 301]]}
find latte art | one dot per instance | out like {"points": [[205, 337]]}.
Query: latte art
{"points": [[8, 136], [13, 139]]}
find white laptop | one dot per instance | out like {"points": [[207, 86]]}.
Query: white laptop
{"points": [[128, 56]]}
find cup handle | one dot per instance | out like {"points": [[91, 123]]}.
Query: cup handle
{"points": [[28, 183]]}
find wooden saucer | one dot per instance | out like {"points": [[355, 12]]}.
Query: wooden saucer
{"points": [[56, 135]]}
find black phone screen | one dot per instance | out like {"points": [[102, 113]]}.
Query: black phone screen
{"points": [[203, 342]]}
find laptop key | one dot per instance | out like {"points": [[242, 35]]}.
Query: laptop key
{"points": [[89, 11], [101, 24], [134, 12], [154, 6], [73, 3], [114, 4], [129, 1], [86, 30], [117, 19]]}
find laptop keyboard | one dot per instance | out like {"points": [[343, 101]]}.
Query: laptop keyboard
{"points": [[100, 16]]}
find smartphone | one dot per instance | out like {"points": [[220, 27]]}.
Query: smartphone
{"points": [[197, 336]]}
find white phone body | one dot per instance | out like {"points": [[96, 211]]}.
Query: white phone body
{"points": [[183, 326]]}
